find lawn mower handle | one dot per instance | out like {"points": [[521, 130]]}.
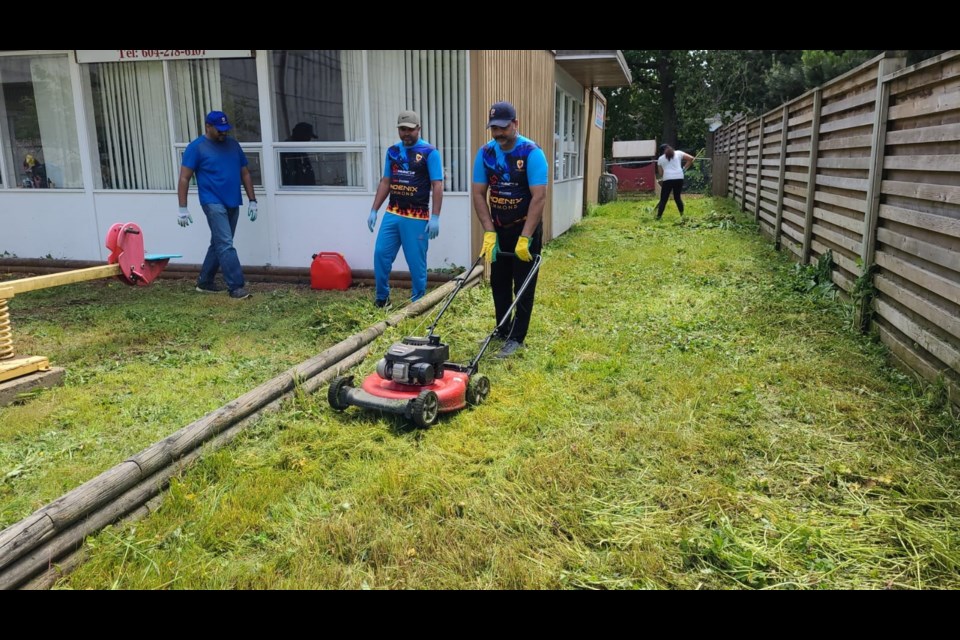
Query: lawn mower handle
{"points": [[537, 259], [461, 280]]}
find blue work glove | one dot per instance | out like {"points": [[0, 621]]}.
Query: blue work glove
{"points": [[523, 249], [372, 220], [491, 246], [185, 217], [252, 210], [433, 226]]}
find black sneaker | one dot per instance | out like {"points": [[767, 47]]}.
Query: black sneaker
{"points": [[239, 294], [381, 303], [509, 348], [210, 288]]}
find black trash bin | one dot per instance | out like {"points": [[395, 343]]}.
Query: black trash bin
{"points": [[608, 188]]}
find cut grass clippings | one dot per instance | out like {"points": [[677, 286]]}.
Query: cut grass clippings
{"points": [[684, 415]]}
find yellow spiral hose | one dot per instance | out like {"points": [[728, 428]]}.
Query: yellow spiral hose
{"points": [[6, 332]]}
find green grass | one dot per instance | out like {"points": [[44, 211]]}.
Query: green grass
{"points": [[685, 415]]}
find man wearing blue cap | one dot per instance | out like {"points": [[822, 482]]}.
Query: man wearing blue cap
{"points": [[220, 166], [513, 170], [412, 173]]}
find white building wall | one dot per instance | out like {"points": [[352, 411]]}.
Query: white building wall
{"points": [[567, 205]]}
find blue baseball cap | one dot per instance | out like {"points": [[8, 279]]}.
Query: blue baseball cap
{"points": [[501, 114], [218, 120]]}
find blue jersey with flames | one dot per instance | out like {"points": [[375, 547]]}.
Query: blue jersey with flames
{"points": [[510, 176], [411, 170]]}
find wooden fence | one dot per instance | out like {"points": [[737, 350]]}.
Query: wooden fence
{"points": [[867, 166]]}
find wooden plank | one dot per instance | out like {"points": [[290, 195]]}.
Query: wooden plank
{"points": [[58, 279], [797, 161], [931, 192], [846, 104], [795, 176], [846, 222], [844, 163], [943, 351], [799, 147], [799, 133], [841, 280], [838, 257], [854, 204], [846, 242], [849, 142], [796, 189], [939, 285], [12, 389], [852, 122], [854, 184], [923, 163], [946, 319], [792, 232], [793, 218], [937, 133], [877, 146], [10, 369], [798, 120], [906, 358], [929, 221], [795, 205], [921, 105], [943, 256]]}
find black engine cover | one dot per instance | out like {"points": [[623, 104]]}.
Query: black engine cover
{"points": [[415, 361]]}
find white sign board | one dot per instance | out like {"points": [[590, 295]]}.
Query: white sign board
{"points": [[140, 55], [598, 121], [635, 149]]}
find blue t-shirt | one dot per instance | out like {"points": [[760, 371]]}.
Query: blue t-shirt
{"points": [[411, 170], [510, 175], [216, 166]]}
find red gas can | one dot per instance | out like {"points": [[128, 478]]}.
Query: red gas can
{"points": [[330, 271]]}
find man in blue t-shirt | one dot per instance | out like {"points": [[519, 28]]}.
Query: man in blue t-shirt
{"points": [[220, 166], [412, 171], [513, 169]]}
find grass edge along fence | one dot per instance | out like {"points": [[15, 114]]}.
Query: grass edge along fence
{"points": [[865, 167]]}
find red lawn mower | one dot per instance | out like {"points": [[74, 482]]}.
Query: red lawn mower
{"points": [[415, 379]]}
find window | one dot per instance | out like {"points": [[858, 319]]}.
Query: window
{"points": [[37, 124], [319, 115], [432, 83], [132, 116], [198, 87], [568, 137]]}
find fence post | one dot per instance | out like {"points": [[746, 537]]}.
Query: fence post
{"points": [[812, 176], [783, 165], [874, 179], [743, 171], [756, 205]]}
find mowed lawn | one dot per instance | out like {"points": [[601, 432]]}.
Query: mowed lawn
{"points": [[685, 414]]}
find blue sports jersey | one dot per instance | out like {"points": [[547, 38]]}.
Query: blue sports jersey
{"points": [[216, 166], [510, 176], [411, 171]]}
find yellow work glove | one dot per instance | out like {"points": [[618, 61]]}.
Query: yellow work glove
{"points": [[491, 246], [523, 249]]}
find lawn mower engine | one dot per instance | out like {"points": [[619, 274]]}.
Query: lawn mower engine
{"points": [[415, 361]]}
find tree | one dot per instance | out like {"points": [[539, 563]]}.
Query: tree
{"points": [[663, 102]]}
